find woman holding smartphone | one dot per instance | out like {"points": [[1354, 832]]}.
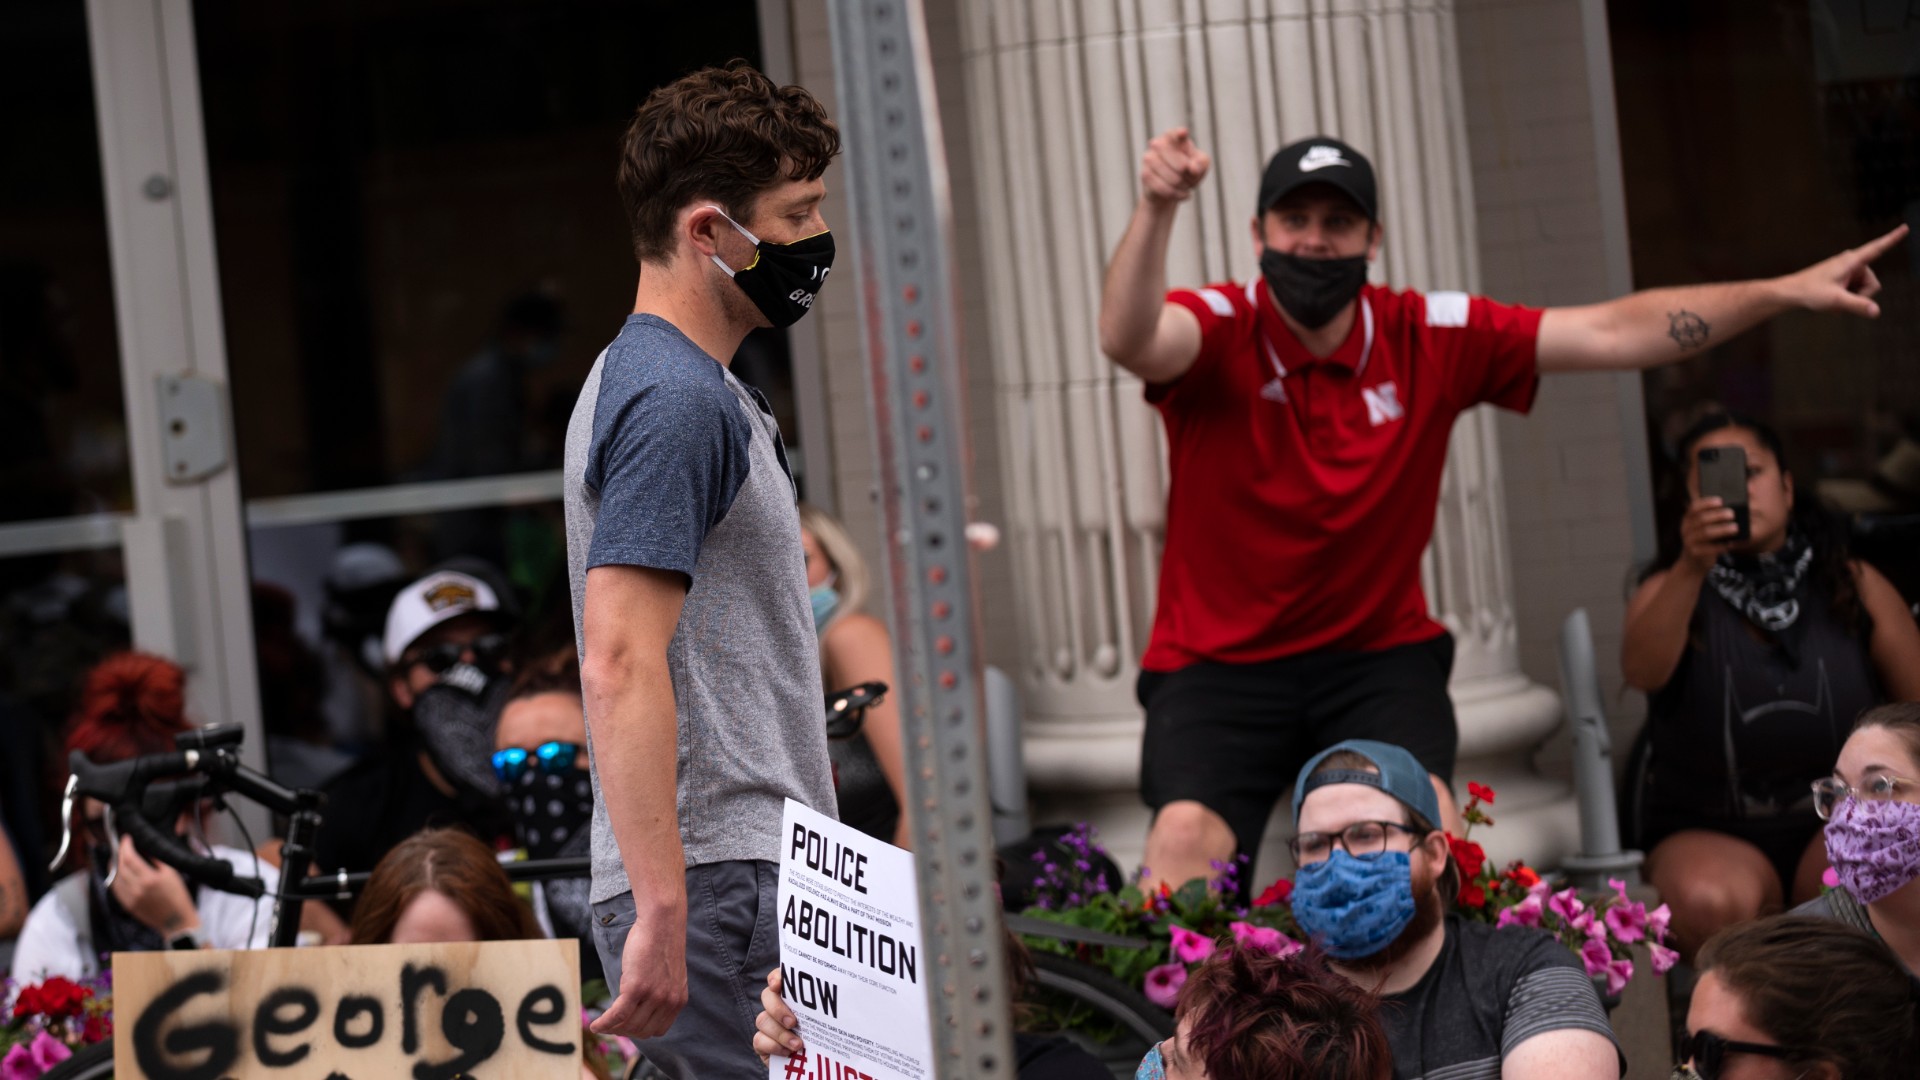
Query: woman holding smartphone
{"points": [[1757, 654]]}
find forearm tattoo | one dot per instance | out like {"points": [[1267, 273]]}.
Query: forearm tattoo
{"points": [[1687, 329]]}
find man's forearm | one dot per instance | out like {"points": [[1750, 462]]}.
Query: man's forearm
{"points": [[1136, 281], [1656, 326], [630, 708]]}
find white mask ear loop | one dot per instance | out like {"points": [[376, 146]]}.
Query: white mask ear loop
{"points": [[741, 229]]}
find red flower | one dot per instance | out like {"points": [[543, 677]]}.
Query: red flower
{"points": [[1280, 892], [1471, 896], [1471, 857], [1522, 875], [1480, 792], [96, 1029], [56, 998]]}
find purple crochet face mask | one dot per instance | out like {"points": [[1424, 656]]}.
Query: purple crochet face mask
{"points": [[1874, 846]]}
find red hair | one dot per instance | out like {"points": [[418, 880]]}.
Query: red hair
{"points": [[133, 703], [1256, 1016]]}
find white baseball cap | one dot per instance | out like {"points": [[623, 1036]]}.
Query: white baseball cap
{"points": [[425, 604]]}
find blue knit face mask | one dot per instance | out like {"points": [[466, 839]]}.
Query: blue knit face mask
{"points": [[1151, 1067], [1355, 907]]}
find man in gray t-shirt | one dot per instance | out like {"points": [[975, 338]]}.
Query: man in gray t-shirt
{"points": [[699, 667]]}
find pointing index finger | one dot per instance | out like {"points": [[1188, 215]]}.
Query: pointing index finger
{"points": [[1875, 248]]}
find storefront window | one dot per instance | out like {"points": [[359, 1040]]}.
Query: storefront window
{"points": [[1757, 138]]}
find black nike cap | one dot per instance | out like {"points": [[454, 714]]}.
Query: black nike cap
{"points": [[1320, 160]]}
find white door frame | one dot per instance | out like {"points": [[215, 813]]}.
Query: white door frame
{"points": [[185, 544]]}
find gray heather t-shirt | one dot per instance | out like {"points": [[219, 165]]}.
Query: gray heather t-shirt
{"points": [[674, 464], [1488, 991]]}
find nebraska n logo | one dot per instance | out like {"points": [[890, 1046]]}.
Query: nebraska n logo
{"points": [[1383, 403]]}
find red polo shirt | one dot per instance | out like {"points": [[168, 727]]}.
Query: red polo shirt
{"points": [[1303, 491]]}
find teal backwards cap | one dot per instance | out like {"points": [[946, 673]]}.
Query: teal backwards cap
{"points": [[1400, 776]]}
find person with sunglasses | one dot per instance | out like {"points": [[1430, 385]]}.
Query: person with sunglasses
{"points": [[1458, 998], [1796, 998], [540, 760], [1871, 806], [447, 647]]}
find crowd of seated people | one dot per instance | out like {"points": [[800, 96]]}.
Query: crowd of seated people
{"points": [[1757, 655]]}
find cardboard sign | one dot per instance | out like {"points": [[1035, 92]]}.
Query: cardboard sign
{"points": [[850, 959], [476, 1010]]}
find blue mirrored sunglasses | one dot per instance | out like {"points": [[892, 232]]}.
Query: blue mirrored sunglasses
{"points": [[548, 757]]}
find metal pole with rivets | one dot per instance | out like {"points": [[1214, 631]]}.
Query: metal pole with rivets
{"points": [[902, 228]]}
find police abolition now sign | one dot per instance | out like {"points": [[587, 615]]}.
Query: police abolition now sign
{"points": [[850, 959], [471, 1011]]}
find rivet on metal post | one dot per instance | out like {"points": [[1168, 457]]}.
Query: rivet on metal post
{"points": [[157, 187]]}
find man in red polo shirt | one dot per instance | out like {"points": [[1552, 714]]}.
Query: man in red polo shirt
{"points": [[1307, 415]]}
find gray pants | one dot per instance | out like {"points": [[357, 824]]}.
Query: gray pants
{"points": [[733, 940]]}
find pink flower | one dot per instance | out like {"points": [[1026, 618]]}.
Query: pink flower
{"points": [[1163, 986], [1657, 921], [1628, 921], [28, 1061], [1618, 973], [1264, 938], [1566, 904], [1663, 958], [1189, 947], [1524, 913], [1597, 958], [1589, 924], [1829, 878]]}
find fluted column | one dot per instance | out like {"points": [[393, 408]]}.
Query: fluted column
{"points": [[1064, 96]]}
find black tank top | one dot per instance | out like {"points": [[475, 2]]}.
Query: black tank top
{"points": [[1750, 719]]}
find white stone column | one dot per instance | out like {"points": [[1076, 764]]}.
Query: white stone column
{"points": [[1064, 96]]}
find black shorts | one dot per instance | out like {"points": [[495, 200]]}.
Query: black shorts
{"points": [[1233, 737], [1783, 838]]}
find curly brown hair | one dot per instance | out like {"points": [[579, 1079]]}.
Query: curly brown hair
{"points": [[727, 134], [455, 864]]}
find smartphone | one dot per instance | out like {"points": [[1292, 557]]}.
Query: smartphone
{"points": [[1723, 472]]}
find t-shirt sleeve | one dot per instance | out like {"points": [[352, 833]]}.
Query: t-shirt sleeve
{"points": [[667, 462], [1220, 318], [1551, 992], [1490, 349]]}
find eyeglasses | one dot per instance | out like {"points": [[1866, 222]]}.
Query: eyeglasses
{"points": [[1362, 839], [548, 757], [487, 651], [1828, 791], [1707, 1055]]}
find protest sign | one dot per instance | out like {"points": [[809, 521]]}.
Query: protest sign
{"points": [[850, 957], [476, 1010]]}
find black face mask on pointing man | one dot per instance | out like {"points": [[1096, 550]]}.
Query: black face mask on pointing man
{"points": [[1313, 291], [782, 279]]}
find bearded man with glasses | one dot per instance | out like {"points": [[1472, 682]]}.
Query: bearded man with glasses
{"points": [[1458, 998]]}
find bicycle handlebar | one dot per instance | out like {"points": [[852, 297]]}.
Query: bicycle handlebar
{"points": [[131, 789], [156, 843]]}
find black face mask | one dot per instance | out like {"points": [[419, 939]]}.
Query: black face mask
{"points": [[455, 718], [550, 809], [1313, 291], [782, 279]]}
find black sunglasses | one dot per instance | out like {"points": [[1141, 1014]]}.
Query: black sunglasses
{"points": [[488, 649], [1708, 1053]]}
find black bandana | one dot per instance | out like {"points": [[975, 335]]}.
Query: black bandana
{"points": [[1765, 588], [551, 809]]}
